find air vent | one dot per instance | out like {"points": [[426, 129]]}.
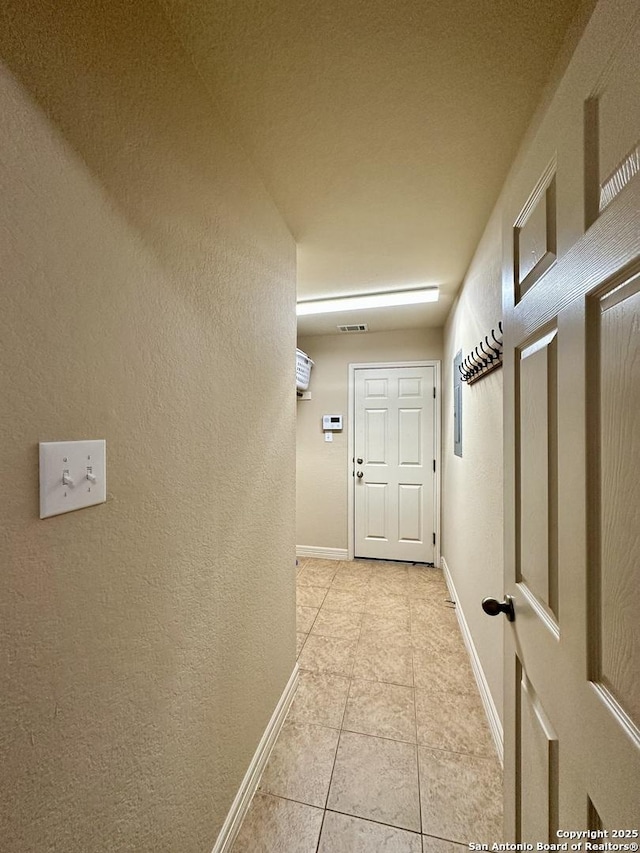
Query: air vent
{"points": [[354, 327]]}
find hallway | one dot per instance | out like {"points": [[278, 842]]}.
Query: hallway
{"points": [[386, 740]]}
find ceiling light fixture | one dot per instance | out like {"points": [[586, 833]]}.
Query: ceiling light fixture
{"points": [[370, 300]]}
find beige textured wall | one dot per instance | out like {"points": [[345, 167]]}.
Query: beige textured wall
{"points": [[472, 490], [323, 468], [147, 297]]}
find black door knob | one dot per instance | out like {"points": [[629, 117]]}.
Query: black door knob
{"points": [[493, 607], [359, 461], [359, 475]]}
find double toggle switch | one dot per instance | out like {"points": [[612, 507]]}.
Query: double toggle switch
{"points": [[67, 479], [72, 475]]}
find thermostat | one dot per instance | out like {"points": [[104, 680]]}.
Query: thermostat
{"points": [[331, 422]]}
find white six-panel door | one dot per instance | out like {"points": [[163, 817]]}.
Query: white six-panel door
{"points": [[394, 463], [572, 453]]}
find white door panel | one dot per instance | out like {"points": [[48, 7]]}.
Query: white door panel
{"points": [[394, 427], [410, 437], [572, 452], [410, 513], [375, 511], [376, 433]]}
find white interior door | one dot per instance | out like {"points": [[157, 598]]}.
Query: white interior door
{"points": [[395, 463], [572, 455]]}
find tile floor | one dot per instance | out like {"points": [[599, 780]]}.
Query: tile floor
{"points": [[386, 748]]}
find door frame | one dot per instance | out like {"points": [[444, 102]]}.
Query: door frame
{"points": [[377, 365]]}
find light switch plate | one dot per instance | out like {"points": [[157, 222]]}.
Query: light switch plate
{"points": [[328, 436], [73, 474]]}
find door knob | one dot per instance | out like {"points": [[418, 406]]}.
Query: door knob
{"points": [[359, 461], [492, 606], [359, 475]]}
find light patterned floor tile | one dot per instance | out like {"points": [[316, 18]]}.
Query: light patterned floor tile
{"points": [[390, 585], [389, 570], [320, 699], [275, 824], [427, 588], [338, 623], [310, 596], [350, 583], [433, 611], [315, 575], [341, 599], [376, 779], [461, 796], [453, 721], [382, 603], [305, 617], [441, 639], [425, 580], [346, 834], [381, 710], [324, 563], [328, 654], [386, 626], [356, 579], [439, 845], [301, 639], [300, 765], [424, 572], [353, 570], [384, 661], [442, 673]]}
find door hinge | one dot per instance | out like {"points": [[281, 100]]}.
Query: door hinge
{"points": [[434, 466], [434, 392], [434, 538]]}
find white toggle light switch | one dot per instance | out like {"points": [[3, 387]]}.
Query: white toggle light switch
{"points": [[73, 474]]}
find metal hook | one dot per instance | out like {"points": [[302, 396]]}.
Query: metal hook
{"points": [[494, 352], [486, 352]]}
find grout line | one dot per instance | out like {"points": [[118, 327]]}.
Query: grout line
{"points": [[288, 800], [335, 758], [324, 814], [347, 814], [415, 719], [381, 737], [482, 757], [382, 823]]}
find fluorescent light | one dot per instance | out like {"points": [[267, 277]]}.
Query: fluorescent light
{"points": [[371, 300]]}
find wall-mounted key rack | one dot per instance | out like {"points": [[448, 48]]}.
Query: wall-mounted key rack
{"points": [[485, 358]]}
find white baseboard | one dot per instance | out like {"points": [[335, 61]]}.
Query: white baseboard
{"points": [[491, 711], [251, 779], [322, 553]]}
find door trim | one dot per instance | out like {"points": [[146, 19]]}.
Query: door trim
{"points": [[376, 365]]}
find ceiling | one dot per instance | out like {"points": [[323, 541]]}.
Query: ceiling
{"points": [[382, 129]]}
